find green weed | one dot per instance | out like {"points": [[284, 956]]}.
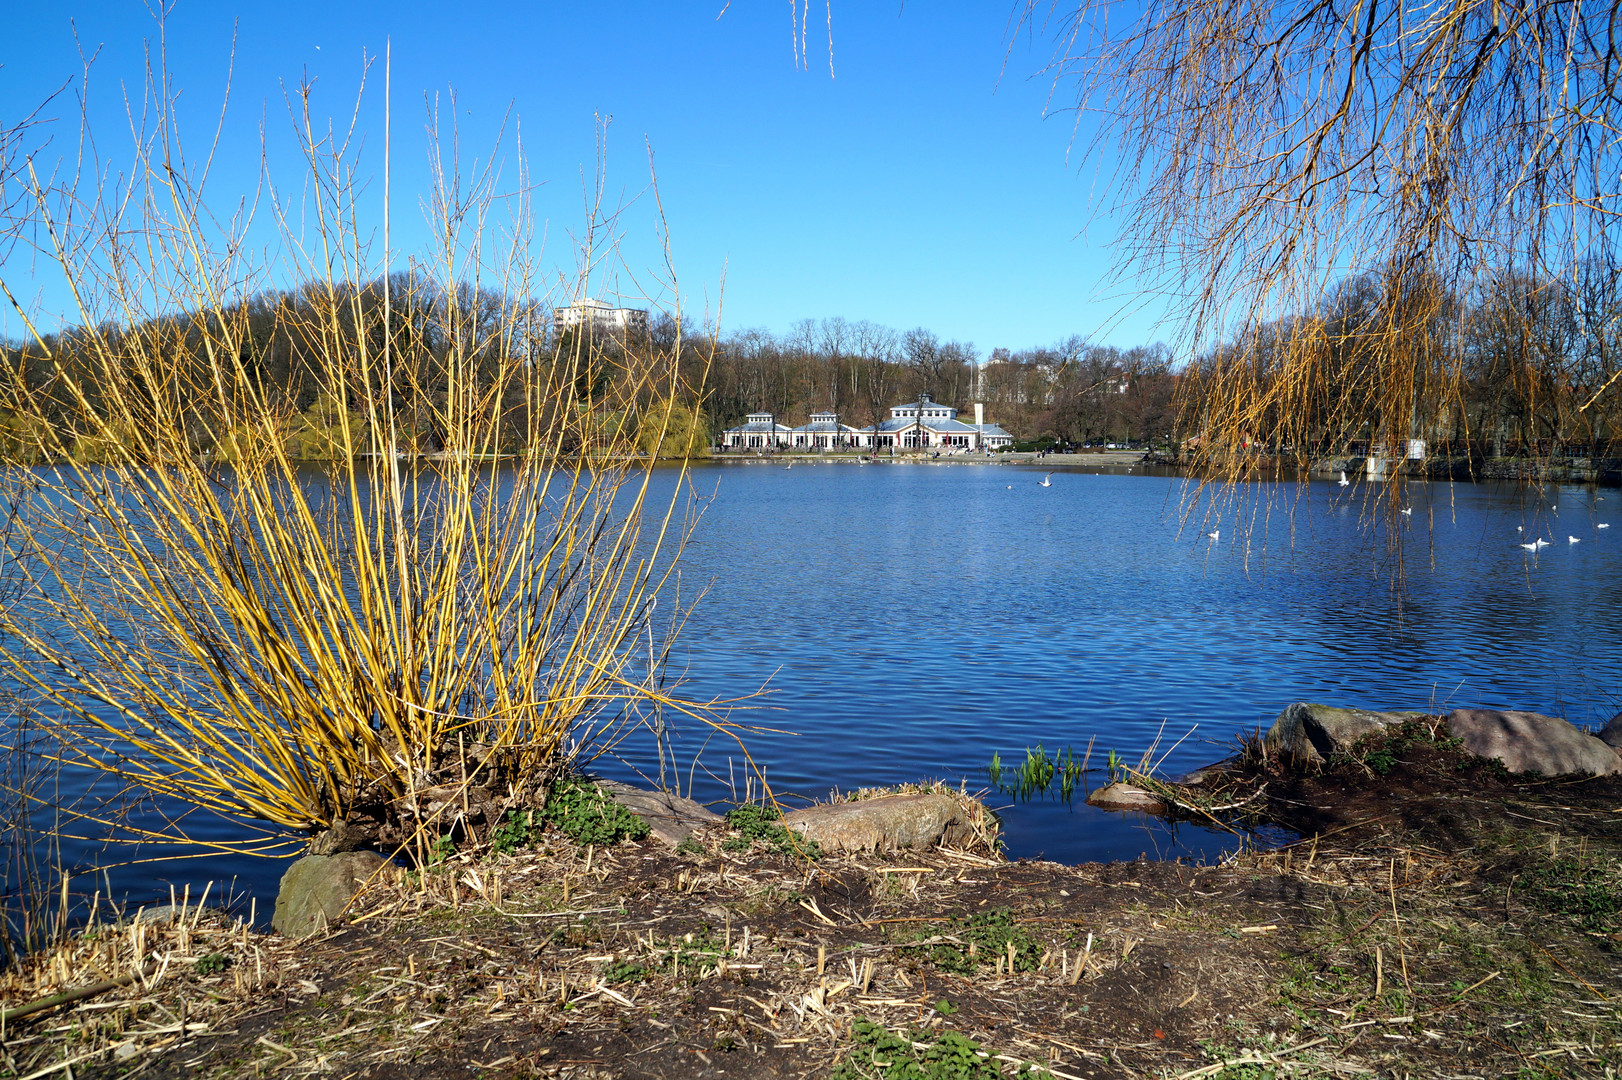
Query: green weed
{"points": [[586, 815], [881, 1053], [990, 933], [1038, 774], [1570, 887], [513, 833], [750, 823], [441, 849], [623, 971]]}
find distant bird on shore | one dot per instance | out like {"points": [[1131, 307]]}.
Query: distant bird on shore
{"points": [[1343, 481], [1046, 481], [1573, 539], [1215, 534]]}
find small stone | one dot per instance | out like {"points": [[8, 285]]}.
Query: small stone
{"points": [[1123, 796], [317, 888]]}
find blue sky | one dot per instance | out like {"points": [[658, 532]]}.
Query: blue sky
{"points": [[925, 183]]}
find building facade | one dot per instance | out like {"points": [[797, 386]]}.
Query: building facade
{"points": [[601, 317], [917, 425]]}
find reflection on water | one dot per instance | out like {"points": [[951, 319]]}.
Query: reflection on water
{"points": [[911, 620]]}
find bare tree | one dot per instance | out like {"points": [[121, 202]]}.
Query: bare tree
{"points": [[1268, 149]]}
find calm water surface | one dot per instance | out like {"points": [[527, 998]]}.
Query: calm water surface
{"points": [[910, 620]]}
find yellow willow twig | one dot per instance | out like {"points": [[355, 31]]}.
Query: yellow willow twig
{"points": [[255, 588]]}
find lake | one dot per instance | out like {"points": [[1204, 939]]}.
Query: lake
{"points": [[909, 620]]}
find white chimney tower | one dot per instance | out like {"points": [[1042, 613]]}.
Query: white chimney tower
{"points": [[979, 414]]}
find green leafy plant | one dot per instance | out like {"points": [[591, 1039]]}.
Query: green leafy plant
{"points": [[623, 971], [750, 823], [513, 832], [990, 933], [212, 964], [1585, 890], [586, 815], [441, 849], [951, 1056]]}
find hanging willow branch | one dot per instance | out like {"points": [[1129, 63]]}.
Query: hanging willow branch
{"points": [[1362, 206]]}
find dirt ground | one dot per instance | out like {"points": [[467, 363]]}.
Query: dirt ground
{"points": [[1438, 919]]}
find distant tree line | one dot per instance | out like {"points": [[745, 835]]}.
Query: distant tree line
{"points": [[1522, 364], [454, 353], [1534, 370], [1073, 390]]}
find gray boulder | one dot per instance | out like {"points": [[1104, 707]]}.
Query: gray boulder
{"points": [[1529, 742], [671, 818], [1611, 734], [316, 889], [883, 823], [1308, 733], [1124, 796]]}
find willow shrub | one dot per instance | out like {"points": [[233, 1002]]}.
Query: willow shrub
{"points": [[401, 641]]}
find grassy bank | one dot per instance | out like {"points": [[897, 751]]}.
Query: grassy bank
{"points": [[1460, 928]]}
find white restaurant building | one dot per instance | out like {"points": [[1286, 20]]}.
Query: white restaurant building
{"points": [[918, 425]]}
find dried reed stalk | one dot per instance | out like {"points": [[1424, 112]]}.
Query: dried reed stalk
{"points": [[455, 593]]}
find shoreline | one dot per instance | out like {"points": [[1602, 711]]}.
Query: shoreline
{"points": [[1421, 925], [1578, 471]]}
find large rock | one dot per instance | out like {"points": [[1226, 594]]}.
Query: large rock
{"points": [[1611, 734], [1308, 733], [882, 823], [316, 889], [1529, 742], [671, 818]]}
